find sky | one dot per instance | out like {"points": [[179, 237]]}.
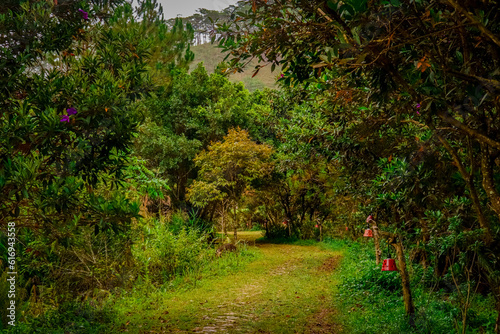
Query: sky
{"points": [[173, 8]]}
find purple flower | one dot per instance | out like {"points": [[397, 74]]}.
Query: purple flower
{"points": [[64, 118], [71, 111], [282, 75], [84, 14], [418, 105], [418, 113]]}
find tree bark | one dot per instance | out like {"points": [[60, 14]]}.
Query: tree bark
{"points": [[376, 238], [405, 280], [223, 225], [235, 226], [488, 182]]}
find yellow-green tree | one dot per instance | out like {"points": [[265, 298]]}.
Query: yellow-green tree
{"points": [[227, 170]]}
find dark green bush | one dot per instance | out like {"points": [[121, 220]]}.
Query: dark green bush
{"points": [[70, 317]]}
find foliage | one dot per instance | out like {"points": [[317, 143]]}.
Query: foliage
{"points": [[51, 161], [165, 255], [386, 108], [409, 88], [204, 107], [71, 76], [368, 293], [75, 317], [228, 169]]}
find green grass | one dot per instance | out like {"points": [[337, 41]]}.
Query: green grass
{"points": [[370, 301], [272, 288], [298, 286]]}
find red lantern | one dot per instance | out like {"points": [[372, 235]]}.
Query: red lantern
{"points": [[285, 222], [346, 228], [368, 233], [316, 226], [389, 265]]}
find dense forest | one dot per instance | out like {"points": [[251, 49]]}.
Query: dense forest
{"points": [[122, 170]]}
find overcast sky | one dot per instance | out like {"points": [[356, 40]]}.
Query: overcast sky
{"points": [[172, 8]]}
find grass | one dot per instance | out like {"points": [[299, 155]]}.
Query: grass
{"points": [[211, 56], [297, 287], [73, 317], [274, 289], [370, 301]]}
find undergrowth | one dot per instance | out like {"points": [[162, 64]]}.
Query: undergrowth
{"points": [[370, 300], [71, 317], [168, 258]]}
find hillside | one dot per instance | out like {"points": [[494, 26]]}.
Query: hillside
{"points": [[211, 56]]}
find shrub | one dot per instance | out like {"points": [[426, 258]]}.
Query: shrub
{"points": [[70, 317], [165, 254]]}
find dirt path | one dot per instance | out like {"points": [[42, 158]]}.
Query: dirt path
{"points": [[288, 289]]}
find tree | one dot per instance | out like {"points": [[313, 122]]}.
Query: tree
{"points": [[228, 169], [70, 74], [427, 67], [197, 110]]}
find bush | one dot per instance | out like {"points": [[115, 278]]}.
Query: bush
{"points": [[276, 231], [70, 317], [165, 254]]}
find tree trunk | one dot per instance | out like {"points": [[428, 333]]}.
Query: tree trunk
{"points": [[235, 226], [405, 281], [488, 182], [223, 225], [376, 238], [425, 239], [223, 216]]}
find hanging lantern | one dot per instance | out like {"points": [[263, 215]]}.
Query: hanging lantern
{"points": [[368, 233], [389, 265], [316, 226]]}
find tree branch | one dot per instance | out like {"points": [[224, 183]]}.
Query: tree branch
{"points": [[471, 18], [473, 133], [475, 78]]}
